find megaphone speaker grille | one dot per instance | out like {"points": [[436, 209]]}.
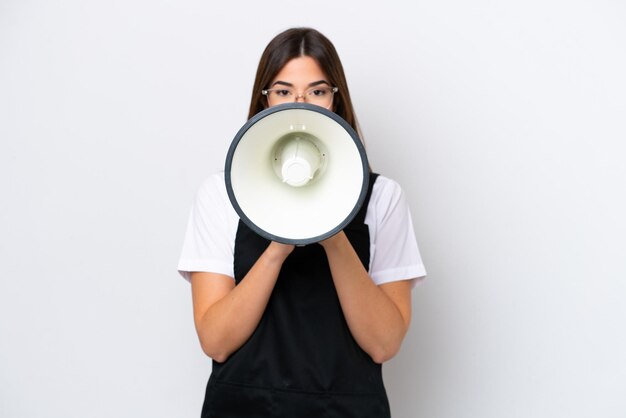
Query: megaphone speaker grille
{"points": [[296, 173]]}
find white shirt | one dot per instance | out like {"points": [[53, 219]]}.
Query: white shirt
{"points": [[210, 239]]}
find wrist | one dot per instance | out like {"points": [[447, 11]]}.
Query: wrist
{"points": [[278, 252], [335, 241]]}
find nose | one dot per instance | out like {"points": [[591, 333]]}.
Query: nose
{"points": [[300, 96]]}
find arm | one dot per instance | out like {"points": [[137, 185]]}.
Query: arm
{"points": [[226, 315], [378, 316]]}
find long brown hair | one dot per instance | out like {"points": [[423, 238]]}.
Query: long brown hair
{"points": [[299, 42]]}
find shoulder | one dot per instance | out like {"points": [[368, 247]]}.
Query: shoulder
{"points": [[385, 186], [214, 184], [386, 195], [212, 202], [213, 190]]}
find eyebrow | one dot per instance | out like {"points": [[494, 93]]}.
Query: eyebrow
{"points": [[313, 84]]}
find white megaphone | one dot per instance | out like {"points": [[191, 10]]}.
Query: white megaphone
{"points": [[296, 173]]}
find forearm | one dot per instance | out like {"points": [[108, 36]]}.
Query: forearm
{"points": [[227, 324], [375, 321]]}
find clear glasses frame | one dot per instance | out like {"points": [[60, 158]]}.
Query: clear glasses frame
{"points": [[309, 96]]}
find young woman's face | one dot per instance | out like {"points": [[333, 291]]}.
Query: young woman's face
{"points": [[301, 79]]}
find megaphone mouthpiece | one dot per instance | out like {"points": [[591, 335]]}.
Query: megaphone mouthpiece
{"points": [[299, 160]]}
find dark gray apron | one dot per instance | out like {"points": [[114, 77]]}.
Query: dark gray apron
{"points": [[301, 361]]}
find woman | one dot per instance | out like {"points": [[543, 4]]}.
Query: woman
{"points": [[300, 332]]}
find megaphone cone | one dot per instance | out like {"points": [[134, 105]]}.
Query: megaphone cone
{"points": [[296, 173]]}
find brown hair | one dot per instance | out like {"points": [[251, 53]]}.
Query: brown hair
{"points": [[299, 42]]}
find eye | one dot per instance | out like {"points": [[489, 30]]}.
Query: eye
{"points": [[282, 92], [320, 92]]}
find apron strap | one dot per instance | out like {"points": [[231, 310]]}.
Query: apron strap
{"points": [[360, 217]]}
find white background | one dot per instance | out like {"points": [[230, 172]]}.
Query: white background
{"points": [[503, 121]]}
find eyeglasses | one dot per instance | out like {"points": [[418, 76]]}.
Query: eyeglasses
{"points": [[320, 95]]}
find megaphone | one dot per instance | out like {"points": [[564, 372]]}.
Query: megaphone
{"points": [[296, 173]]}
